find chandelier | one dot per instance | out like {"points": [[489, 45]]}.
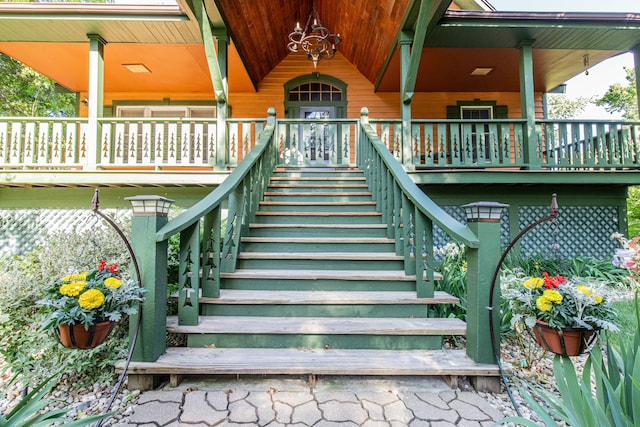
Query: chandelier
{"points": [[315, 41]]}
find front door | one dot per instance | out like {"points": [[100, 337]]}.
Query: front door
{"points": [[318, 143]]}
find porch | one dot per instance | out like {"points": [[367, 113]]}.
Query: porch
{"points": [[161, 151]]}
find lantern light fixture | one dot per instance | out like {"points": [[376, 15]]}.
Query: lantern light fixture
{"points": [[484, 211], [150, 205]]}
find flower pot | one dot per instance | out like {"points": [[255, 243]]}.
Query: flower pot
{"points": [[565, 342], [76, 336]]}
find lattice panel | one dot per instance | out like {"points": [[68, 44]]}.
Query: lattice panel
{"points": [[579, 231], [21, 230]]}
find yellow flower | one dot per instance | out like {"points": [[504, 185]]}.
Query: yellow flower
{"points": [[533, 283], [76, 277], [584, 289], [543, 304], [112, 282], [597, 298], [72, 289], [91, 299], [552, 296]]}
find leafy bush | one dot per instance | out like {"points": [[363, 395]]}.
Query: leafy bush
{"points": [[454, 280], [23, 281]]}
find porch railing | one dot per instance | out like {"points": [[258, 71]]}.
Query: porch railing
{"points": [[157, 143]]}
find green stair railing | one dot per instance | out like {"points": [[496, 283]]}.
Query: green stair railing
{"points": [[410, 215], [408, 212], [208, 245]]}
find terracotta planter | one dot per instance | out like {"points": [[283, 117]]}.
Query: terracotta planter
{"points": [[76, 336], [566, 342]]}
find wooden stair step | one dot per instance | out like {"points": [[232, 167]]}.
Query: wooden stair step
{"points": [[351, 256], [256, 325], [373, 275], [318, 178], [319, 203], [317, 186], [334, 240], [303, 361], [230, 296], [264, 213], [331, 226], [316, 193]]}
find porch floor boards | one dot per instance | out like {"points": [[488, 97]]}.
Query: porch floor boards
{"points": [[307, 361]]}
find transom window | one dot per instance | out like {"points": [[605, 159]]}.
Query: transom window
{"points": [[476, 112], [315, 92], [165, 111]]}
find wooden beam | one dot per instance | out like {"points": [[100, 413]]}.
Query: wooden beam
{"points": [[219, 83], [419, 36]]}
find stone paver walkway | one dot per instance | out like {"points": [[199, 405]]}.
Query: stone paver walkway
{"points": [[341, 401]]}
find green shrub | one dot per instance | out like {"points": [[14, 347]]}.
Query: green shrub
{"points": [[25, 348], [453, 268]]}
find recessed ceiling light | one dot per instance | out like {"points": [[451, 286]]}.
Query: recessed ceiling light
{"points": [[136, 68], [481, 71]]}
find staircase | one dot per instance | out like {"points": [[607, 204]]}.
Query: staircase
{"points": [[318, 290]]}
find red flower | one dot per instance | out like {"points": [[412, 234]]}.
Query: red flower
{"points": [[101, 265], [113, 268], [553, 282]]}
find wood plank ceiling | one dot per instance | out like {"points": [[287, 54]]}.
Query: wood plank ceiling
{"points": [[260, 28]]}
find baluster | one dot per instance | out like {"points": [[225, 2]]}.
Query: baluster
{"points": [[210, 281], [409, 236], [71, 143], [160, 144], [30, 143], [146, 138], [198, 143], [186, 143], [119, 148], [172, 142], [15, 154], [397, 218], [57, 143], [211, 143], [590, 148], [188, 275], [455, 146], [133, 143], [577, 145], [424, 267], [493, 145], [82, 143], [4, 143]]}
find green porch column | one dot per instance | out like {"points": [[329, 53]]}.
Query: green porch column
{"points": [[636, 66], [149, 215], [222, 109], [95, 98], [405, 107], [527, 104], [483, 219]]}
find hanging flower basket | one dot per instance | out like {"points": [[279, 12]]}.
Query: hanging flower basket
{"points": [[76, 336], [84, 307], [566, 341]]}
